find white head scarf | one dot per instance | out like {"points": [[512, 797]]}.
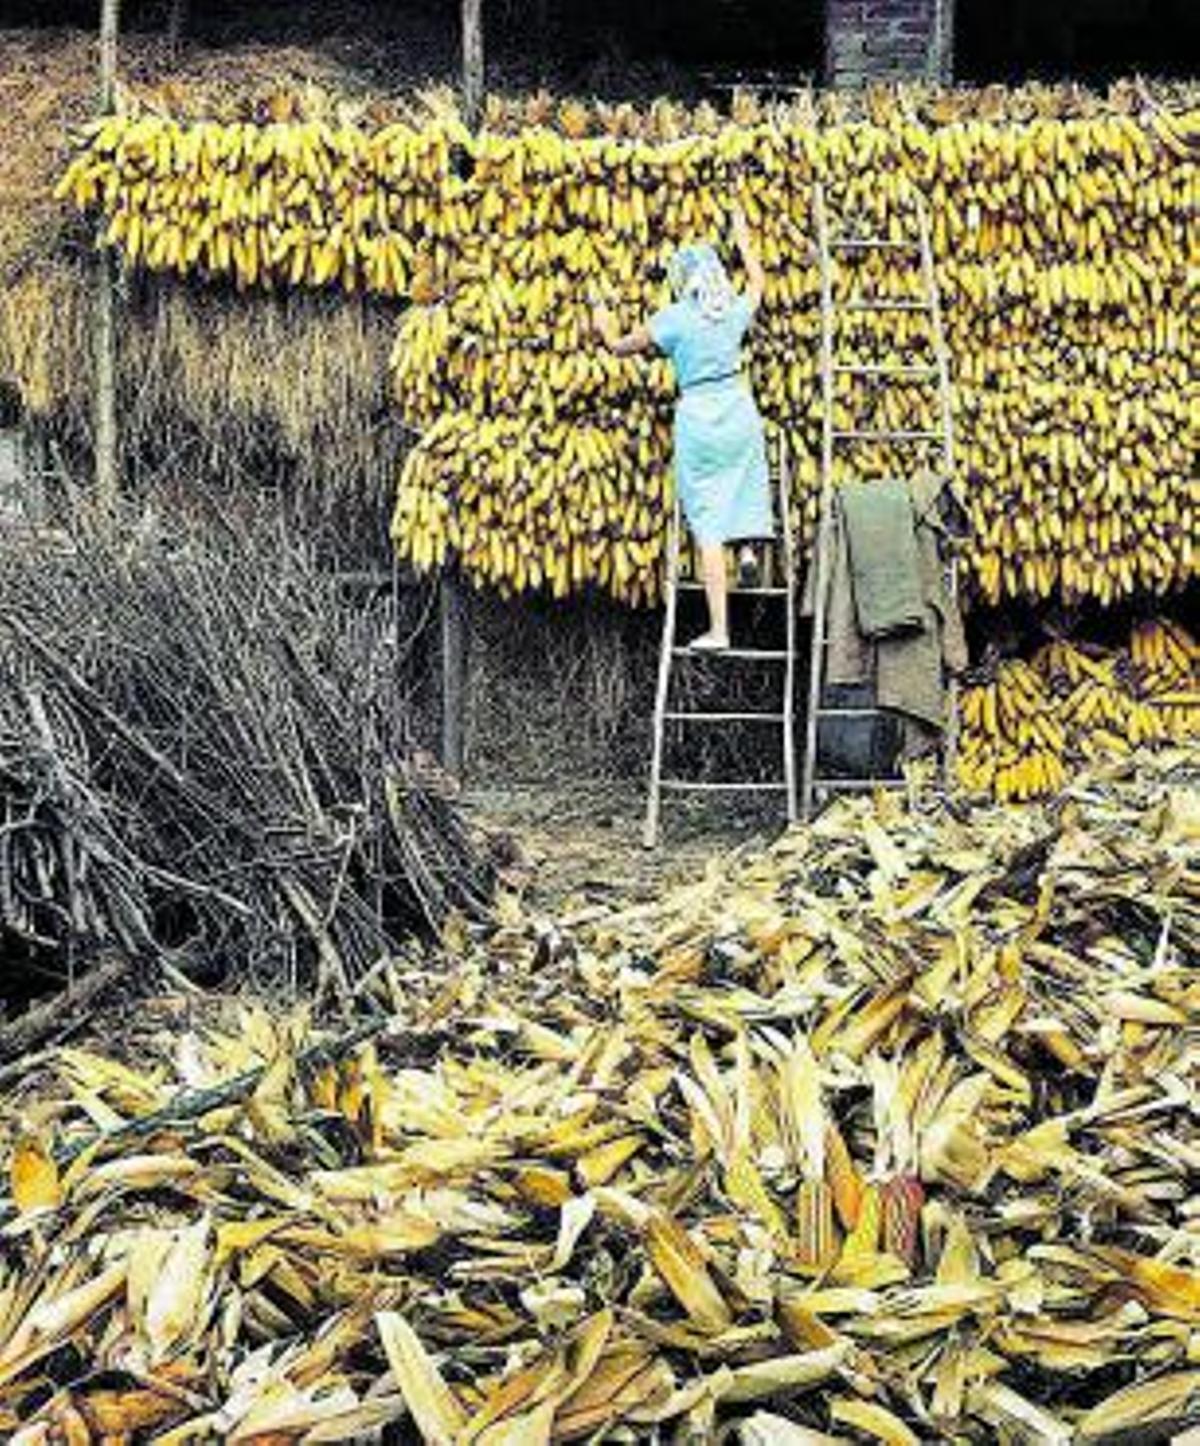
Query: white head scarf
{"points": [[696, 275]]}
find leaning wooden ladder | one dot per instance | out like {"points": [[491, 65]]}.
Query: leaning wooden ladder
{"points": [[937, 374], [783, 659]]}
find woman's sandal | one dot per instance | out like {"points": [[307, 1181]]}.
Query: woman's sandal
{"points": [[707, 643]]}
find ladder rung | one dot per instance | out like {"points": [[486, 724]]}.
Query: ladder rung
{"points": [[850, 713], [872, 243], [768, 655], [850, 482], [857, 305], [682, 785], [865, 369], [867, 434], [678, 717], [735, 590], [830, 784]]}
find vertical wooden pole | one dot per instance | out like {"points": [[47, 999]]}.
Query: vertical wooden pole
{"points": [[176, 23], [452, 596], [472, 45], [453, 608], [104, 325], [109, 22], [941, 59]]}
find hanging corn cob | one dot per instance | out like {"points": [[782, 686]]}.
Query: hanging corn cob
{"points": [[1027, 725], [303, 204], [1062, 249], [1063, 239]]}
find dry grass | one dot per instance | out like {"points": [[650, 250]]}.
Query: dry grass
{"points": [[45, 87], [559, 690], [563, 691], [210, 381]]}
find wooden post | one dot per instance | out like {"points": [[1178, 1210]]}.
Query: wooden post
{"points": [[455, 642], [176, 23], [104, 323], [452, 595], [941, 64], [472, 47], [109, 20]]}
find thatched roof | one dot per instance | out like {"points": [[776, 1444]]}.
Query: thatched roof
{"points": [[206, 376]]}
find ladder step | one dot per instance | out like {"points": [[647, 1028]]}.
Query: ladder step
{"points": [[678, 717], [872, 243], [849, 482], [868, 434], [858, 305], [853, 233], [830, 785], [768, 655], [883, 370], [735, 590], [687, 785]]}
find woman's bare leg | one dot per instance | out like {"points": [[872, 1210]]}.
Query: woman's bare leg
{"points": [[712, 568]]}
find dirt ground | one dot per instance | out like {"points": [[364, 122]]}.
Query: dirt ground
{"points": [[581, 846]]}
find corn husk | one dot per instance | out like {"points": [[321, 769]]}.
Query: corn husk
{"points": [[679, 1185]]}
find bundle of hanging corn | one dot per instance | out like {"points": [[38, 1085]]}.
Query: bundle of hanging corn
{"points": [[205, 761], [1027, 726], [1060, 241], [1061, 236], [886, 1133]]}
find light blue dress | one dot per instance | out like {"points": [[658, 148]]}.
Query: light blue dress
{"points": [[720, 449]]}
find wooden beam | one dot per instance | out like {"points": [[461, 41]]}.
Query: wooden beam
{"points": [[110, 11], [941, 65], [455, 657], [452, 598], [472, 51], [104, 325], [176, 23]]}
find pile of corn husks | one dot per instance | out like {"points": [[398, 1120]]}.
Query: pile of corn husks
{"points": [[887, 1133]]}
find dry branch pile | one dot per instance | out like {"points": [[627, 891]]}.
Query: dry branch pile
{"points": [[204, 756], [885, 1133]]}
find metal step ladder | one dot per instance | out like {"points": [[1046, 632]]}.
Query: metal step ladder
{"points": [[941, 437], [782, 661]]}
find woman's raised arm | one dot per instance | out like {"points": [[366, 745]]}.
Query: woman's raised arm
{"points": [[622, 344], [745, 244]]}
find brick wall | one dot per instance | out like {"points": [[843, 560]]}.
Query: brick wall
{"points": [[868, 40]]}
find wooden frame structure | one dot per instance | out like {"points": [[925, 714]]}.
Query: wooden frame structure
{"points": [[453, 599], [943, 436], [104, 322], [670, 650]]}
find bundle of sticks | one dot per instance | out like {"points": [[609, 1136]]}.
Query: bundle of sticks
{"points": [[205, 760]]}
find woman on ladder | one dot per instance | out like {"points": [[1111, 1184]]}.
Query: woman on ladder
{"points": [[720, 451]]}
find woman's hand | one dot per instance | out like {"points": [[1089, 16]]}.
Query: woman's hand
{"points": [[741, 227], [604, 322]]}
